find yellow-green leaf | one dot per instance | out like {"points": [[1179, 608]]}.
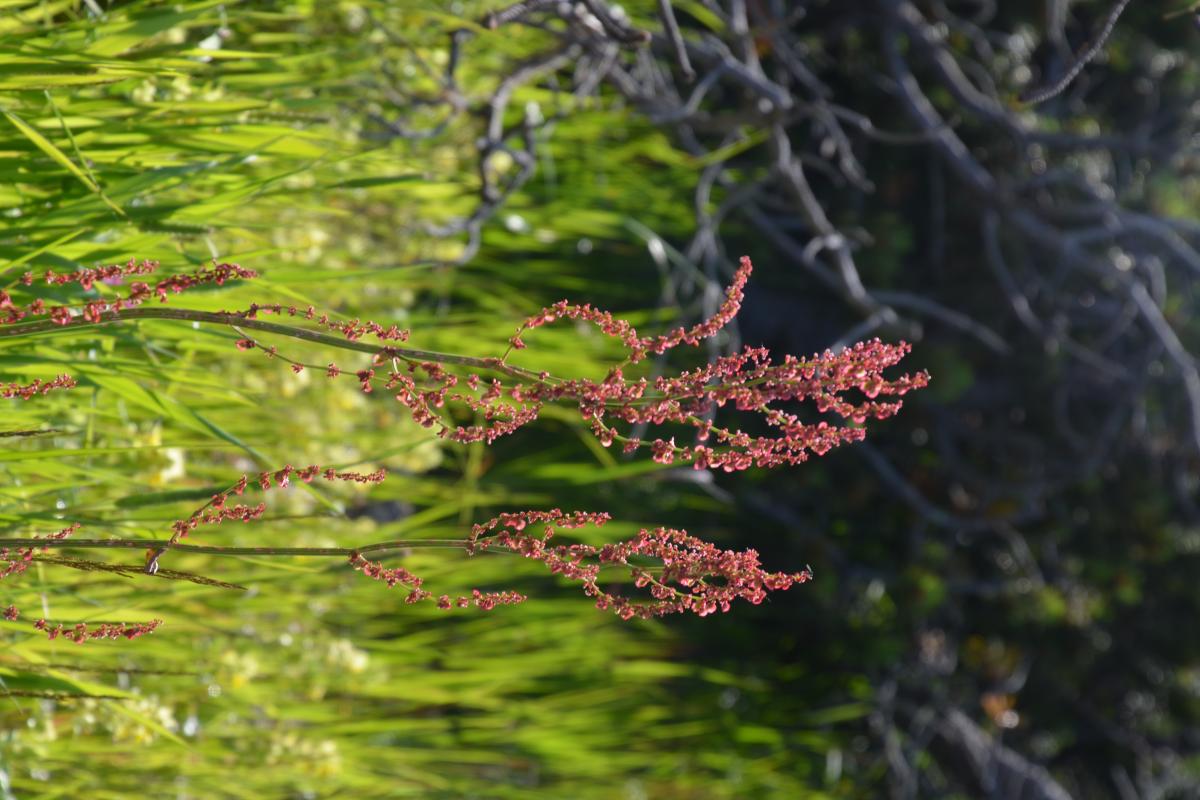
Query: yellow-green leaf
{"points": [[47, 147]]}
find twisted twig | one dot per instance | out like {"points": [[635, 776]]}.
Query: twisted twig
{"points": [[1093, 49]]}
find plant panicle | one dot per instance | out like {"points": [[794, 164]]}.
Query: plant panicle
{"points": [[690, 575]]}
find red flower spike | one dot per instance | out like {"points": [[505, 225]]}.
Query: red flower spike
{"points": [[81, 633], [112, 274], [485, 601], [748, 381], [352, 330], [695, 576], [216, 510], [17, 561], [640, 347], [94, 310], [28, 390], [684, 583]]}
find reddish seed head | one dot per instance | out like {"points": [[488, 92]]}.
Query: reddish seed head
{"points": [[747, 381], [28, 390], [95, 310], [217, 511], [17, 561], [695, 576], [81, 633]]}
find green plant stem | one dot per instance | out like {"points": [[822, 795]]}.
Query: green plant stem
{"points": [[143, 544], [230, 319], [239, 320]]}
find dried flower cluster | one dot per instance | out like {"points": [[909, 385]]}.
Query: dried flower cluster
{"points": [[640, 347], [695, 576], [687, 574], [353, 330], [748, 381], [87, 278], [138, 293], [17, 561], [215, 511], [676, 571], [28, 390], [81, 633], [485, 601]]}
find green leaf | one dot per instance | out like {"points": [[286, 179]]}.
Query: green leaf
{"points": [[47, 147], [12, 679]]}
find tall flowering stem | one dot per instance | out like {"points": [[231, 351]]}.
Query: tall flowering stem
{"points": [[679, 572], [430, 384], [217, 509], [15, 560], [139, 291], [674, 571]]}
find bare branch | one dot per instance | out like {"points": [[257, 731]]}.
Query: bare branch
{"points": [[1093, 49], [671, 26]]}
